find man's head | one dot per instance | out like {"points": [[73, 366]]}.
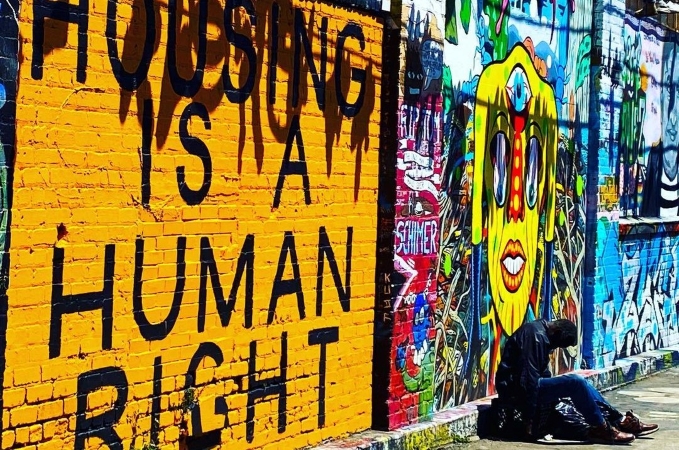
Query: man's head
{"points": [[562, 333]]}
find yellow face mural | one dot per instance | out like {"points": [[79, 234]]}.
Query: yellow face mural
{"points": [[515, 132]]}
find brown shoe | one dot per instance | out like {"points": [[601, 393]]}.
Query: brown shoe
{"points": [[606, 434], [632, 424]]}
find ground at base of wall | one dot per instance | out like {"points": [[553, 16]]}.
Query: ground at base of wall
{"points": [[462, 422], [654, 399]]}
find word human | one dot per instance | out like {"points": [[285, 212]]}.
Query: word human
{"points": [[89, 425]]}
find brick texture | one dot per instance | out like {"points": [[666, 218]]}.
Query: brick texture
{"points": [[192, 262]]}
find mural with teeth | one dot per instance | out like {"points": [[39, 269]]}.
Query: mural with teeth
{"points": [[490, 184], [515, 130], [515, 135]]}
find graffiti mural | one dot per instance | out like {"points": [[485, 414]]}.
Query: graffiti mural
{"points": [[515, 132], [648, 163], [602, 272], [635, 287], [642, 314], [607, 289], [416, 230], [512, 189], [646, 319]]}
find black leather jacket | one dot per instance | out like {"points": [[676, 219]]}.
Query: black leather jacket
{"points": [[525, 359]]}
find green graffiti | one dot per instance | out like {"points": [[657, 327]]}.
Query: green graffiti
{"points": [[451, 22], [447, 91], [583, 61], [432, 437], [631, 118], [447, 264], [498, 17], [466, 14], [579, 185], [451, 19], [631, 114], [422, 383]]}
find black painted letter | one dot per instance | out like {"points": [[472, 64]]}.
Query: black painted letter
{"points": [[286, 287], [77, 303], [157, 331], [246, 261], [212, 351], [181, 86], [100, 426], [59, 10], [130, 81], [195, 147], [155, 403], [262, 388], [293, 167], [324, 248], [146, 137], [322, 337], [273, 52], [359, 75], [302, 40], [234, 94]]}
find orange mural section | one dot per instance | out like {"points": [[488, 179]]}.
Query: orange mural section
{"points": [[193, 232]]}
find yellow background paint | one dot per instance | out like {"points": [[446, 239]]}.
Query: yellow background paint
{"points": [[78, 164]]}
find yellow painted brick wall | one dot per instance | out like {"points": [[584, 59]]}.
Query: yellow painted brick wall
{"points": [[79, 170]]}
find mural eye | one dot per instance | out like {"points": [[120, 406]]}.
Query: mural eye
{"points": [[532, 157], [499, 151], [518, 90]]}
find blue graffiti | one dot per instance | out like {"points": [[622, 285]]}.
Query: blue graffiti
{"points": [[636, 308], [420, 321], [485, 47]]}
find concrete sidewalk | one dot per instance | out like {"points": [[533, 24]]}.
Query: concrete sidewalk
{"points": [[449, 426], [654, 399]]}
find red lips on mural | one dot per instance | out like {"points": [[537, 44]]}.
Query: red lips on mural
{"points": [[513, 265]]}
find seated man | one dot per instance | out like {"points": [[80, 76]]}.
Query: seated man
{"points": [[523, 379]]}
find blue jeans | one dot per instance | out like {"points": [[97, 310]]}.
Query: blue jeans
{"points": [[583, 395]]}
